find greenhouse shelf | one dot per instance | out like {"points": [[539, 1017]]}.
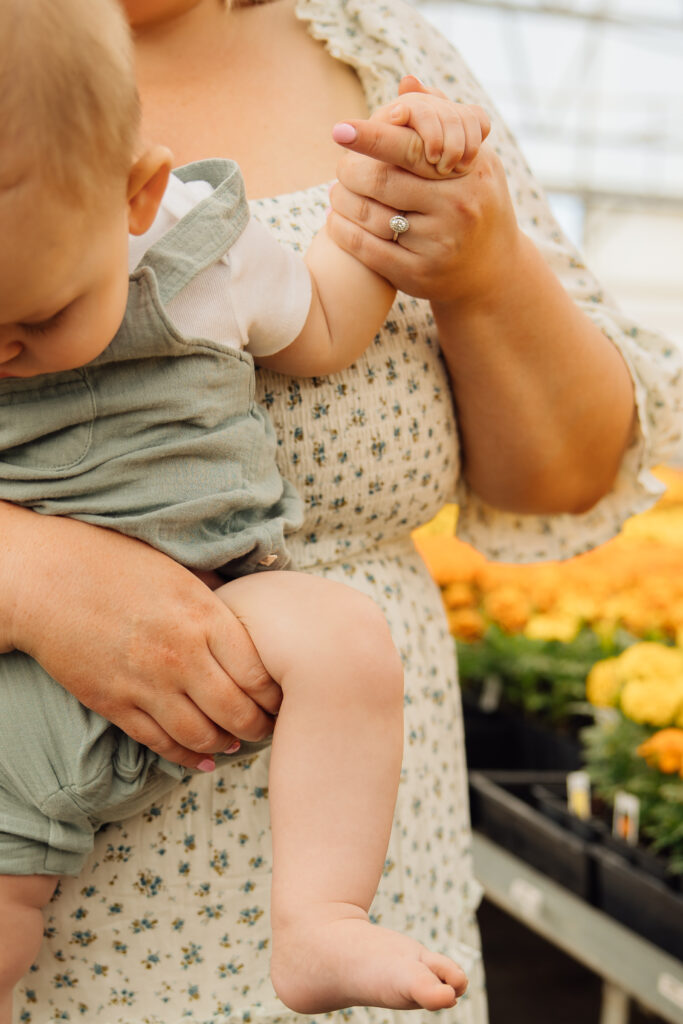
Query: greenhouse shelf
{"points": [[629, 965]]}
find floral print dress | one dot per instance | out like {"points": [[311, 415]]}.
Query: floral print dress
{"points": [[168, 923]]}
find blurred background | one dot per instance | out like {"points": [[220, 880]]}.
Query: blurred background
{"points": [[593, 89]]}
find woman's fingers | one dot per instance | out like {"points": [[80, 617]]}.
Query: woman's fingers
{"points": [[459, 137], [144, 729], [390, 144], [390, 259], [237, 657], [370, 215], [422, 132], [461, 229], [393, 187]]}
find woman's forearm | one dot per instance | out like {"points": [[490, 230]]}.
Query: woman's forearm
{"points": [[545, 401], [132, 634]]}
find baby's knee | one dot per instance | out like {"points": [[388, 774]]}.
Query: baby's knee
{"points": [[365, 645]]}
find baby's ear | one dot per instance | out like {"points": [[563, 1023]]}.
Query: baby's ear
{"points": [[146, 186]]}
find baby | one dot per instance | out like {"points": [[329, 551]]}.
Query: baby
{"points": [[128, 402]]}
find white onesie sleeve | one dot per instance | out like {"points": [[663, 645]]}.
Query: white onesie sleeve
{"points": [[256, 296], [270, 288]]}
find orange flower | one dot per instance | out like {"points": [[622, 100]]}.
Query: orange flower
{"points": [[447, 558], [664, 750], [466, 623], [458, 595], [633, 581], [509, 607]]}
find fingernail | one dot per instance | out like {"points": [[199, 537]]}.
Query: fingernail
{"points": [[344, 133], [207, 765], [233, 748], [328, 211]]}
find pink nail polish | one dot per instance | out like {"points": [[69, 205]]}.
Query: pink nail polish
{"points": [[344, 133], [207, 765], [233, 748]]}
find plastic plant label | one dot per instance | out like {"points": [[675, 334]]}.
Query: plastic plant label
{"points": [[491, 692], [579, 794], [626, 817], [527, 897], [671, 988]]}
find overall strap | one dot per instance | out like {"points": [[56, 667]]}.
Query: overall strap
{"points": [[204, 234]]}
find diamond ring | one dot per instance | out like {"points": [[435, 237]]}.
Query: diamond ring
{"points": [[399, 225]]}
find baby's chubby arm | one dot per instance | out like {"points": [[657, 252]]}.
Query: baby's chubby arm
{"points": [[349, 301]]}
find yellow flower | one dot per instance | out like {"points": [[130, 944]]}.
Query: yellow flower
{"points": [[604, 683], [443, 523], [664, 750], [559, 626], [649, 659], [653, 700], [584, 606]]}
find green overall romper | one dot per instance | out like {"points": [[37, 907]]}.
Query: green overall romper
{"points": [[159, 438]]}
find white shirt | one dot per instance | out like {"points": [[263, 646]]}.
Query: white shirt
{"points": [[255, 297]]}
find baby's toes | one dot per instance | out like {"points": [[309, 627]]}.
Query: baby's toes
{"points": [[447, 970], [428, 991]]}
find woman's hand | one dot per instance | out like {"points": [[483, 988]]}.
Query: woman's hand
{"points": [[527, 366], [133, 635], [463, 231]]}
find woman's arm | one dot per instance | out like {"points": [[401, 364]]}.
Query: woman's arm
{"points": [[545, 401], [132, 634]]}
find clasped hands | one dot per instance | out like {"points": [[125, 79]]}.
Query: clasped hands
{"points": [[425, 156]]}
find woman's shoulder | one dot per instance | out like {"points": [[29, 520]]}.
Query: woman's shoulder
{"points": [[385, 41]]}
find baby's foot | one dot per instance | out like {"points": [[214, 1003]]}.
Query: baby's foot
{"points": [[339, 959]]}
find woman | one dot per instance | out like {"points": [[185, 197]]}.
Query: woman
{"points": [[169, 921]]}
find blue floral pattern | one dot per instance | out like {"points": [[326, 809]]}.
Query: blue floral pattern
{"points": [[168, 923]]}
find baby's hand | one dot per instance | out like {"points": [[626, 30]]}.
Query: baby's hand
{"points": [[451, 133]]}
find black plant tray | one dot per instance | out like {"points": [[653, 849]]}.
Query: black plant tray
{"points": [[523, 812], [550, 798], [643, 903], [506, 740], [502, 809]]}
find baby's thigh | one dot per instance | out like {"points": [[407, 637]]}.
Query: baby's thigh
{"points": [[295, 620], [29, 891]]}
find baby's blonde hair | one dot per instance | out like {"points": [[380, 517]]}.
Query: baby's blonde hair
{"points": [[69, 108]]}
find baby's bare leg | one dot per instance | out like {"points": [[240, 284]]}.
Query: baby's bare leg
{"points": [[333, 780], [22, 898]]}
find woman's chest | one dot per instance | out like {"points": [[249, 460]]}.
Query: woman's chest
{"points": [[271, 105]]}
